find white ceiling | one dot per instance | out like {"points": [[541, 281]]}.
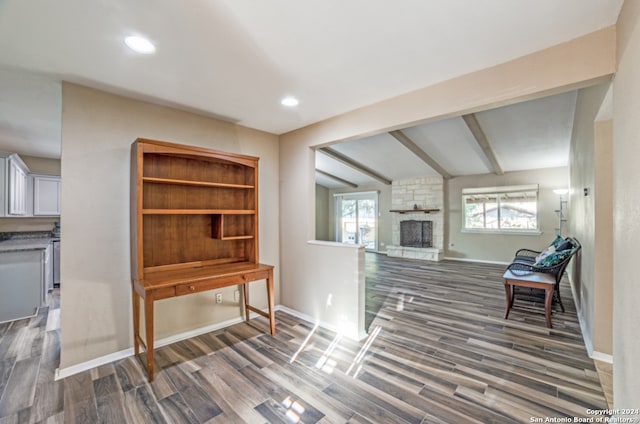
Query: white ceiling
{"points": [[235, 59], [30, 114]]}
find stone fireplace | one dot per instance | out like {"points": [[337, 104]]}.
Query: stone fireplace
{"points": [[417, 224]]}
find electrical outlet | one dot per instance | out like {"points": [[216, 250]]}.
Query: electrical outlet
{"points": [[236, 296], [218, 297]]}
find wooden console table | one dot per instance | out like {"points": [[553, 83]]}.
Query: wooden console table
{"points": [[179, 282]]}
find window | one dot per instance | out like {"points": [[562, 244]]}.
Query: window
{"points": [[504, 209], [356, 218]]}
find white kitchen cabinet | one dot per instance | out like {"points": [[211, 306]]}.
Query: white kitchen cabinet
{"points": [[47, 273], [26, 277], [56, 263], [21, 285], [46, 195], [13, 185]]}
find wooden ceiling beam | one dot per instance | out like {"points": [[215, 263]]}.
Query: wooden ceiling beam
{"points": [[353, 164], [483, 142], [417, 150], [340, 180]]}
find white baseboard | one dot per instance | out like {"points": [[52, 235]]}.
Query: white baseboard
{"points": [[116, 356], [62, 373], [481, 261], [326, 326], [602, 357], [586, 337]]}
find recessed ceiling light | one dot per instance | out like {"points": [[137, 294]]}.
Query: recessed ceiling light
{"points": [[289, 101], [140, 44]]}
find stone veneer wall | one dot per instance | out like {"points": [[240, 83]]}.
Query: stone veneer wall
{"points": [[427, 193]]}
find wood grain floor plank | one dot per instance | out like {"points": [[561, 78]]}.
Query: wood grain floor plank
{"points": [[49, 399], [291, 381], [20, 388], [364, 406], [110, 408], [226, 372], [235, 408], [141, 407], [177, 411], [79, 399]]}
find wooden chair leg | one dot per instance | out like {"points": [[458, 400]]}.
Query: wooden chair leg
{"points": [[547, 306], [508, 288], [557, 291]]}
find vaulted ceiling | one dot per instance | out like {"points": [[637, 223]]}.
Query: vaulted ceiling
{"points": [[530, 135], [236, 59]]}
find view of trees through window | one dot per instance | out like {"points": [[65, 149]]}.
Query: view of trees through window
{"points": [[356, 219], [501, 211]]}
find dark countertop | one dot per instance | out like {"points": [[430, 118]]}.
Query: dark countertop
{"points": [[25, 244], [14, 242]]}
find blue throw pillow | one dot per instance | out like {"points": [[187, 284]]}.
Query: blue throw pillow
{"points": [[566, 244], [554, 258], [557, 242]]}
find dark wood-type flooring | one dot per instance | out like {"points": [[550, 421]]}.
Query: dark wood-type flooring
{"points": [[438, 351]]}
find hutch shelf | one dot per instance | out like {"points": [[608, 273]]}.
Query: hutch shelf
{"points": [[194, 227]]}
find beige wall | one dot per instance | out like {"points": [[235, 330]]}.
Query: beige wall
{"points": [[465, 245], [98, 130], [578, 63], [322, 213], [590, 219], [39, 165], [603, 238], [626, 211]]}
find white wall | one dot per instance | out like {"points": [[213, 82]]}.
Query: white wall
{"points": [[626, 209], [98, 129], [468, 245]]}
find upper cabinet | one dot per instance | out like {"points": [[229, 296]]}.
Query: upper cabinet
{"points": [[23, 194], [46, 195], [13, 185]]}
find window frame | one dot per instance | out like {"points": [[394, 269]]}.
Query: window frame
{"points": [[498, 192]]}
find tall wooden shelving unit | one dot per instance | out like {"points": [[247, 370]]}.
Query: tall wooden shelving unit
{"points": [[194, 222]]}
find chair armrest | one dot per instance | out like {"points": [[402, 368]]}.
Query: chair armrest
{"points": [[530, 267], [527, 252]]}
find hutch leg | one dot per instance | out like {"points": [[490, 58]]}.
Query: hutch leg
{"points": [[136, 321], [148, 327], [245, 295], [270, 298]]}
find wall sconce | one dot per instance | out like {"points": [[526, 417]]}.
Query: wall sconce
{"points": [[561, 191]]}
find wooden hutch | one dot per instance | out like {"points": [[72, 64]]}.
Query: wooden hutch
{"points": [[194, 227]]}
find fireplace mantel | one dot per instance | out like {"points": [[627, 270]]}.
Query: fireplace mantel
{"points": [[402, 211]]}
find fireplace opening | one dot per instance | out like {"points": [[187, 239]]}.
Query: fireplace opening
{"points": [[416, 233]]}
